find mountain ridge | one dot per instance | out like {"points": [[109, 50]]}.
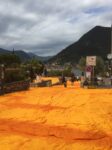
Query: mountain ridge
{"points": [[95, 42], [24, 56]]}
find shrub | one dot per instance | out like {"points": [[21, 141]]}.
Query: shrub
{"points": [[65, 72], [12, 75]]}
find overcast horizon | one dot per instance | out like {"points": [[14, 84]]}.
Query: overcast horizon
{"points": [[46, 27]]}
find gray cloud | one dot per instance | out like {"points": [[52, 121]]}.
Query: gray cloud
{"points": [[46, 27]]}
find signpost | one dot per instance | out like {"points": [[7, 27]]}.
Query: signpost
{"points": [[89, 68], [90, 63], [89, 71], [91, 60]]}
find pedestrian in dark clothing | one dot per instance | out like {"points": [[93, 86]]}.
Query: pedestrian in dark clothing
{"points": [[86, 84], [95, 81], [72, 79], [64, 81]]}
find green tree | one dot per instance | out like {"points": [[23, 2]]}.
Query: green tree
{"points": [[99, 68], [34, 67], [10, 60], [82, 63]]}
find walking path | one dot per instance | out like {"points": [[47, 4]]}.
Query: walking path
{"points": [[56, 118]]}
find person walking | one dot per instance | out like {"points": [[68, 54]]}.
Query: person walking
{"points": [[72, 79], [64, 82], [82, 79]]}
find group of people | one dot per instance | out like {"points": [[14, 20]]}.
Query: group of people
{"points": [[63, 80]]}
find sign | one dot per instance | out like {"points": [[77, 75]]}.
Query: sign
{"points": [[91, 60], [89, 69], [88, 75]]}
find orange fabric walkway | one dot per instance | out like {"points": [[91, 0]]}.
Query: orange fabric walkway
{"points": [[56, 118]]}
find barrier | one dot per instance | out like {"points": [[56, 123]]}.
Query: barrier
{"points": [[14, 86], [46, 83]]}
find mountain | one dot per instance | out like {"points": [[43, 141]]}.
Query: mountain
{"points": [[94, 42], [43, 59], [24, 56], [3, 51]]}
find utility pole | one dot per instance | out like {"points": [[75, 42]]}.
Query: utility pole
{"points": [[109, 56]]}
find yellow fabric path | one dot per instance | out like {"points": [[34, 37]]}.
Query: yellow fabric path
{"points": [[56, 118]]}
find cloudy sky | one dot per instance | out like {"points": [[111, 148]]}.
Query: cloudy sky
{"points": [[45, 27]]}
